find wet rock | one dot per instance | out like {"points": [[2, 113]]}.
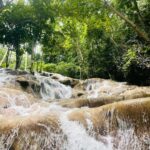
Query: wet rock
{"points": [[89, 102], [46, 74], [14, 97], [29, 83], [65, 80], [43, 130], [62, 79], [101, 107], [94, 88], [15, 72], [37, 132], [123, 120]]}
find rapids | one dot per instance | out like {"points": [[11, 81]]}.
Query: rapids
{"points": [[51, 89], [58, 120]]}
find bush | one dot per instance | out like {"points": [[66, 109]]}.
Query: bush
{"points": [[136, 69], [67, 69], [138, 74], [49, 67]]}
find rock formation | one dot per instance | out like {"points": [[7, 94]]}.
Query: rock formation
{"points": [[104, 113]]}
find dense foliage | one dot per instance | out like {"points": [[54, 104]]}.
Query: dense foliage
{"points": [[81, 39]]}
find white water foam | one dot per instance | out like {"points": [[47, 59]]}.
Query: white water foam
{"points": [[95, 88], [52, 89], [78, 138], [5, 78]]}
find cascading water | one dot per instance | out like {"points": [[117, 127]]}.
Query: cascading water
{"points": [[5, 78], [97, 88], [79, 138], [34, 124], [93, 89], [51, 89]]}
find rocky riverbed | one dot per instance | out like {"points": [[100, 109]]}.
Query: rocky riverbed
{"points": [[51, 112]]}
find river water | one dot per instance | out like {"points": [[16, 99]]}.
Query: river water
{"points": [[27, 122]]}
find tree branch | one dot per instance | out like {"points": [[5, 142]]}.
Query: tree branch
{"points": [[141, 33]]}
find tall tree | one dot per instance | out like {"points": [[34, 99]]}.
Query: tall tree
{"points": [[14, 23], [135, 27]]}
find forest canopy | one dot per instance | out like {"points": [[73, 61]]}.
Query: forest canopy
{"points": [[80, 39]]}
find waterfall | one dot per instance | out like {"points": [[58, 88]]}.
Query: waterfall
{"points": [[93, 89], [78, 137], [5, 78], [96, 88], [52, 89], [27, 122]]}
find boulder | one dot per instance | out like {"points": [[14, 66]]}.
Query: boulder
{"points": [[29, 83]]}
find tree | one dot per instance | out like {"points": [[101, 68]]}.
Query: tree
{"points": [[21, 23], [139, 31], [14, 23]]}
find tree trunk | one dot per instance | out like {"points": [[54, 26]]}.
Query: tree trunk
{"points": [[141, 33], [41, 63], [18, 57], [7, 58], [32, 57], [37, 66], [139, 13], [26, 61], [80, 58]]}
